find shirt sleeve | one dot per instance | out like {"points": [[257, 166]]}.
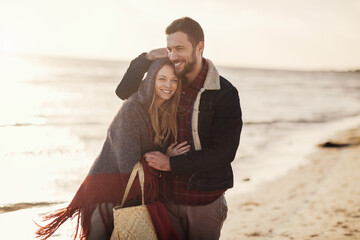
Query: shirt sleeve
{"points": [[133, 77]]}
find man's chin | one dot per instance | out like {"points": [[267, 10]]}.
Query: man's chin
{"points": [[179, 71]]}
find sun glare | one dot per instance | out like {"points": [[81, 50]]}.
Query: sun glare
{"points": [[14, 68], [7, 47], [15, 92]]}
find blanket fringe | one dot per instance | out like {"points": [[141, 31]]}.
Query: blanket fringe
{"points": [[82, 207], [61, 216]]}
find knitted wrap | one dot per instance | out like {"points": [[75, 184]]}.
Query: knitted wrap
{"points": [[129, 136]]}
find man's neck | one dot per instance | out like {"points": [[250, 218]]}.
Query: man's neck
{"points": [[193, 74]]}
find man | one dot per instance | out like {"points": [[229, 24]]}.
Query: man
{"points": [[209, 119]]}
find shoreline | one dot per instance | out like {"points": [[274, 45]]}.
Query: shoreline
{"points": [[274, 161], [25, 205], [286, 206], [317, 200]]}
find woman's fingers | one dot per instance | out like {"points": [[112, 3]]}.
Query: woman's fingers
{"points": [[178, 148], [181, 144], [183, 147], [172, 145], [175, 145]]}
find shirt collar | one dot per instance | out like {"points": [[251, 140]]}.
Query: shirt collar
{"points": [[198, 82]]}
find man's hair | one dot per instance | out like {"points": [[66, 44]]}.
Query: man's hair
{"points": [[190, 27]]}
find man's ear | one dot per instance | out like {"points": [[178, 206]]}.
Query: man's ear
{"points": [[200, 47]]}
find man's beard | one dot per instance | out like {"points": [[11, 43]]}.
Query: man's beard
{"points": [[189, 66]]}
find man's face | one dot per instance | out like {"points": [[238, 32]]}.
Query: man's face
{"points": [[181, 52]]}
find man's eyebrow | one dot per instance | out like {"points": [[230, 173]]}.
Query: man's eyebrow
{"points": [[177, 46]]}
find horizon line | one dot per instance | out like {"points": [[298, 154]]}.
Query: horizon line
{"points": [[124, 60]]}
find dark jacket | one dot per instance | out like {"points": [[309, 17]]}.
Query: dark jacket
{"points": [[216, 127]]}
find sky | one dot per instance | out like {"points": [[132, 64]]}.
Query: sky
{"points": [[280, 34]]}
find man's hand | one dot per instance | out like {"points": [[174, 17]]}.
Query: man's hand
{"points": [[158, 161], [157, 53], [177, 149]]}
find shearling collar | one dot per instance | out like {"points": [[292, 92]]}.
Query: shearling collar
{"points": [[212, 80]]}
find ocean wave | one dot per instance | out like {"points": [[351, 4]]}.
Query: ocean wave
{"points": [[22, 125], [51, 124], [283, 121], [323, 119], [24, 205]]}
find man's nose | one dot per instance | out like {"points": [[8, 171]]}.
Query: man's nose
{"points": [[172, 56]]}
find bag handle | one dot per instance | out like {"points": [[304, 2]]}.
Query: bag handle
{"points": [[138, 169]]}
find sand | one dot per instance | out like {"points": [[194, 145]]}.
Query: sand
{"points": [[318, 200]]}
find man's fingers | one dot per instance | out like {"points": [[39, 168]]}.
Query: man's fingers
{"points": [[151, 154], [157, 53], [148, 159], [147, 155]]}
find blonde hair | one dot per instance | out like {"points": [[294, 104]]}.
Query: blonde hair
{"points": [[163, 118]]}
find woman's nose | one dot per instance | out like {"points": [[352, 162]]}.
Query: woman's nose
{"points": [[167, 83]]}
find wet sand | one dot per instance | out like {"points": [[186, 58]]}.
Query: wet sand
{"points": [[318, 200], [20, 206]]}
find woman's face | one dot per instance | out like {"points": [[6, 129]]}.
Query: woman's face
{"points": [[166, 84]]}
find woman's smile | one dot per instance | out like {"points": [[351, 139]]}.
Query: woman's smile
{"points": [[165, 84]]}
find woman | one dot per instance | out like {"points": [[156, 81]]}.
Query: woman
{"points": [[146, 122]]}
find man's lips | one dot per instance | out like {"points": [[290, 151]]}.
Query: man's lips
{"points": [[178, 64]]}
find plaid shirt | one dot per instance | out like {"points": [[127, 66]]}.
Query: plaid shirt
{"points": [[174, 188]]}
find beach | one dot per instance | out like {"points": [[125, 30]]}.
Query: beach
{"points": [[60, 109], [318, 200]]}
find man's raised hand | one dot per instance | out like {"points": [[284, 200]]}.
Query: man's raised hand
{"points": [[157, 53]]}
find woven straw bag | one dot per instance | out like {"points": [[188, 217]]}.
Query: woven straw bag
{"points": [[133, 223]]}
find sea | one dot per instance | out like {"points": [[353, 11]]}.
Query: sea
{"points": [[55, 113]]}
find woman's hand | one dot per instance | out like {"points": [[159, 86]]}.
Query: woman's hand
{"points": [[177, 149]]}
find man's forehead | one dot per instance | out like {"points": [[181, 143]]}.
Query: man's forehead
{"points": [[177, 39]]}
